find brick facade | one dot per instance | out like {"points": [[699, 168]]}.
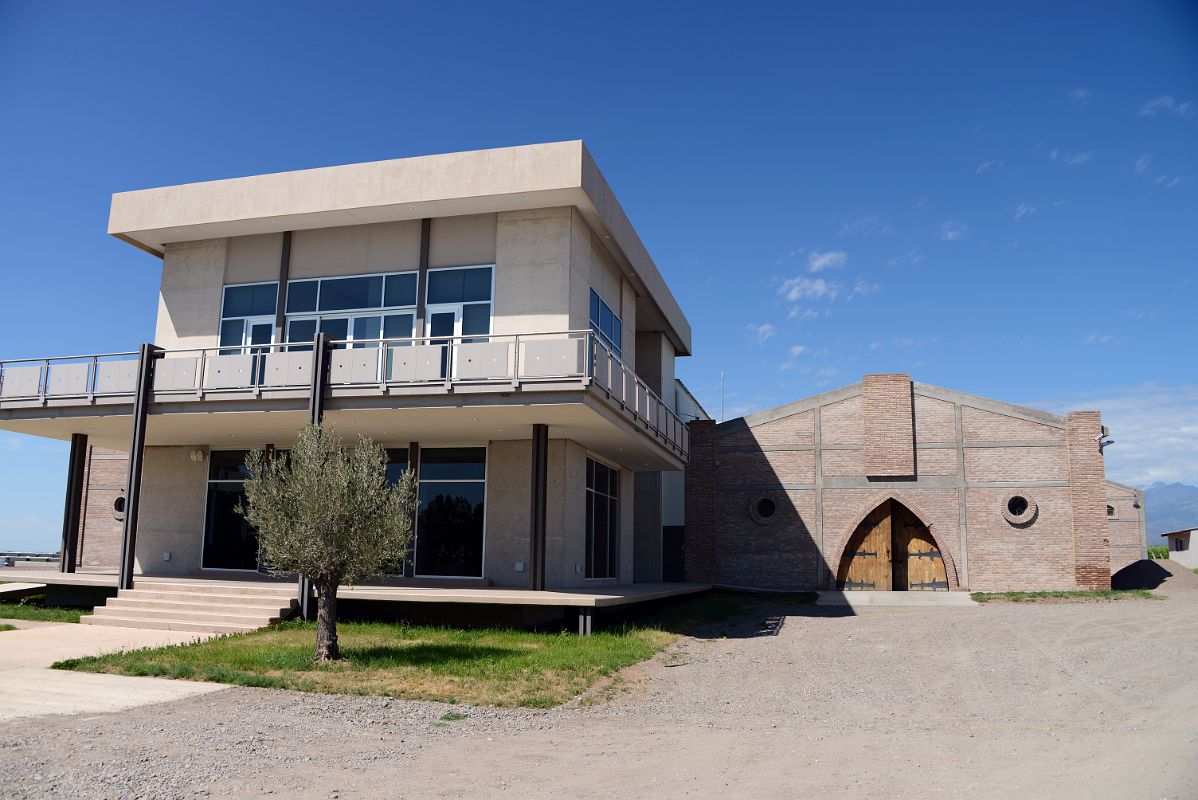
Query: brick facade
{"points": [[100, 532], [952, 459]]}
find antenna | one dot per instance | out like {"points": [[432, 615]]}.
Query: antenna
{"points": [[721, 397]]}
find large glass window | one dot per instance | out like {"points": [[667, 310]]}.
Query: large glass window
{"points": [[464, 292], [247, 317], [450, 521], [230, 542], [606, 323], [603, 521], [353, 309]]}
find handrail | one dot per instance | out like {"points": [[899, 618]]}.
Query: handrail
{"points": [[597, 365]]}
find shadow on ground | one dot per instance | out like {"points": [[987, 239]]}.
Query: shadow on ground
{"points": [[1143, 574]]}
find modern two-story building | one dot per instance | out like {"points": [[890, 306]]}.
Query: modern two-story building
{"points": [[491, 317]]}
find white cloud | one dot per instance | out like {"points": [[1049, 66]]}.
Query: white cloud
{"points": [[804, 288], [1025, 210], [819, 261], [1155, 429], [1053, 153], [794, 352], [800, 313], [868, 225], [1143, 163], [760, 333], [1081, 95], [1077, 159], [953, 231], [986, 166], [911, 258], [1097, 338], [1168, 103], [1143, 168], [863, 286]]}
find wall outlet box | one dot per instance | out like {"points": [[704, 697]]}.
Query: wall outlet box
{"points": [[519, 566], [578, 569], [166, 556]]}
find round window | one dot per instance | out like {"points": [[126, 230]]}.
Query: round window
{"points": [[763, 509], [1019, 509], [118, 507]]}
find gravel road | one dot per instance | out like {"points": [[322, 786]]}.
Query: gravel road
{"points": [[1068, 700]]}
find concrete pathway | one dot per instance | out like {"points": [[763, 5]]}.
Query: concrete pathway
{"points": [[30, 689], [900, 599]]}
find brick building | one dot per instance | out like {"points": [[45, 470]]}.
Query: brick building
{"points": [[890, 483]]}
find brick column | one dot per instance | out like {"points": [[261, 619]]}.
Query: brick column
{"points": [[701, 531], [888, 424], [1087, 498]]}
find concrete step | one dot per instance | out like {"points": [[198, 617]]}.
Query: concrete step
{"points": [[200, 603], [857, 599], [167, 624], [210, 597], [216, 587], [203, 615]]}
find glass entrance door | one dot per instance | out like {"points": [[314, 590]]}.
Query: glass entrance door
{"points": [[444, 323]]}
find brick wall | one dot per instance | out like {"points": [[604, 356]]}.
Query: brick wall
{"points": [[700, 553], [888, 425], [99, 532], [1123, 527], [1004, 557], [1087, 490]]}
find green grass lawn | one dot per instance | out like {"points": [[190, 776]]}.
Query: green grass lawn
{"points": [[7, 628], [476, 666], [34, 607], [1065, 597]]}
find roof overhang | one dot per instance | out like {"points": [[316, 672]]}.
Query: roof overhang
{"points": [[452, 184]]}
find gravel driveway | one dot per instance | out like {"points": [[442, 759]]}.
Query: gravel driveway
{"points": [[1070, 700]]}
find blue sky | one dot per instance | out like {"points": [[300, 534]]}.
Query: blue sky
{"points": [[999, 199]]}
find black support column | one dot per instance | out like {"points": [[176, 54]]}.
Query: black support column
{"points": [[73, 507], [426, 229], [539, 495], [320, 378], [284, 274], [147, 357]]}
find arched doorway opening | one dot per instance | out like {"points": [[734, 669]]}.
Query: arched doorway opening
{"points": [[892, 550]]}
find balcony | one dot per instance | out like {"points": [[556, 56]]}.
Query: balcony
{"points": [[438, 372]]}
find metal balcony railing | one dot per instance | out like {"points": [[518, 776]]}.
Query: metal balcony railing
{"points": [[506, 360]]}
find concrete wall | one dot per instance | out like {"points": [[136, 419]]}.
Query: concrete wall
{"points": [[971, 455], [532, 271], [174, 492], [193, 274], [355, 249]]}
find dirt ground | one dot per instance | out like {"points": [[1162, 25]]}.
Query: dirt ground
{"points": [[1001, 700]]}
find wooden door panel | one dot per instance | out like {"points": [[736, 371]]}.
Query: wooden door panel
{"points": [[922, 563], [866, 563]]}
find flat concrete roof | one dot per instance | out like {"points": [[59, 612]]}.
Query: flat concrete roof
{"points": [[451, 184]]}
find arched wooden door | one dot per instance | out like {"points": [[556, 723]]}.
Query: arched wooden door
{"points": [[891, 550]]}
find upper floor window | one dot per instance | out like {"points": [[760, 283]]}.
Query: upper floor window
{"points": [[247, 315], [355, 309], [458, 301], [605, 323]]}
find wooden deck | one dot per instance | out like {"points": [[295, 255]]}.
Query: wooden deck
{"points": [[422, 592]]}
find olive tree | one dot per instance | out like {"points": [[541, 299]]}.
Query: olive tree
{"points": [[330, 515]]}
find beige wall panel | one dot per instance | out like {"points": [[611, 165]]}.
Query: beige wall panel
{"points": [[936, 461], [565, 545], [532, 271], [985, 464], [1003, 557], [462, 241], [987, 426], [356, 249], [935, 420], [189, 301], [840, 422], [174, 492], [628, 323], [509, 474], [253, 259]]}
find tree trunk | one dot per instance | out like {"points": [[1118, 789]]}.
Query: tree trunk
{"points": [[326, 623]]}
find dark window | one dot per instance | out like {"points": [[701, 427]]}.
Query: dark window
{"points": [[397, 464], [450, 522], [230, 542], [398, 326], [453, 464], [301, 330], [476, 319], [471, 285], [1017, 505], [226, 465], [301, 296], [765, 508], [400, 290], [232, 332], [1110, 511], [336, 329], [605, 323], [367, 328], [602, 521], [339, 294], [258, 300]]}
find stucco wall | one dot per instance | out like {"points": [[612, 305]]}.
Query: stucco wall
{"points": [[174, 491], [532, 271], [193, 274]]}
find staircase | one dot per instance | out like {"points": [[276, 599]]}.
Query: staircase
{"points": [[196, 606]]}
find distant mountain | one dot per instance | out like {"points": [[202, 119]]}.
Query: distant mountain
{"points": [[1170, 507]]}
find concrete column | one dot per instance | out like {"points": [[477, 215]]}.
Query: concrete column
{"points": [[73, 505]]}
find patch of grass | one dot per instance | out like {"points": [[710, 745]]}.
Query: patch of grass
{"points": [[1066, 596], [7, 628], [34, 608], [500, 667], [1158, 551], [454, 716]]}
